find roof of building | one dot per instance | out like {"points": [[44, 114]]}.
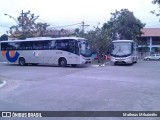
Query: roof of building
{"points": [[122, 41], [151, 32]]}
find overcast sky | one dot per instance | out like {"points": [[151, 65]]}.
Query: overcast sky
{"points": [[66, 12]]}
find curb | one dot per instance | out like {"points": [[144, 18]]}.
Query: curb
{"points": [[2, 84]]}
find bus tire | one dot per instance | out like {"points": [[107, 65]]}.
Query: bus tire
{"points": [[148, 59], [62, 62], [22, 61]]}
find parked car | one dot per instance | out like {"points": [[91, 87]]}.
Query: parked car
{"points": [[152, 57]]}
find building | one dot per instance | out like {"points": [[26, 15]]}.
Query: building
{"points": [[149, 42]]}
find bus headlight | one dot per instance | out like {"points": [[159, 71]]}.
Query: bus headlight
{"points": [[129, 59]]}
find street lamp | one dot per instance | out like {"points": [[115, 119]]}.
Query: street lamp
{"points": [[11, 17]]}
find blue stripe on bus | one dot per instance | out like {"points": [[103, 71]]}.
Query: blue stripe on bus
{"points": [[12, 59]]}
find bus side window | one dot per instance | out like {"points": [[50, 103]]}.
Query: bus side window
{"points": [[4, 46], [9, 46], [36, 45], [58, 45], [72, 46], [64, 45], [61, 45], [77, 48], [45, 45], [16, 46], [52, 45], [22, 46]]}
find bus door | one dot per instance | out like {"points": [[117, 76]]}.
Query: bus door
{"points": [[73, 51]]}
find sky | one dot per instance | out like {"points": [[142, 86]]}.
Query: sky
{"points": [[68, 12]]}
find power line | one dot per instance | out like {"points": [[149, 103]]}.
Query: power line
{"points": [[42, 20], [67, 25], [11, 17], [81, 24], [84, 26]]}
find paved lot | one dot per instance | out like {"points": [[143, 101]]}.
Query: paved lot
{"points": [[109, 88]]}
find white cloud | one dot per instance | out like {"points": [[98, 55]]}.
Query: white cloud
{"points": [[73, 11]]}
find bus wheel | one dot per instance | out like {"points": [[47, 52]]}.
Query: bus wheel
{"points": [[147, 59], [22, 62], [62, 62]]}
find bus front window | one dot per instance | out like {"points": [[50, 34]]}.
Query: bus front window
{"points": [[121, 49], [85, 49]]}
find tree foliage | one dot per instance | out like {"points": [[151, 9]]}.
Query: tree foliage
{"points": [[4, 37], [27, 26], [154, 11], [156, 2], [79, 33], [99, 41], [123, 25]]}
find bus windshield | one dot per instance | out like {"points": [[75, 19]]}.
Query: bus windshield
{"points": [[85, 49], [121, 49]]}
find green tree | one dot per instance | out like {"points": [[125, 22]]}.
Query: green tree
{"points": [[4, 37], [41, 28], [156, 2], [78, 32], [99, 41], [27, 26], [123, 25]]}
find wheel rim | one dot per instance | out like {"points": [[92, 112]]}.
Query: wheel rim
{"points": [[63, 62], [22, 61]]}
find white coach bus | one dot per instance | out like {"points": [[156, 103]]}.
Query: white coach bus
{"points": [[123, 51], [60, 51]]}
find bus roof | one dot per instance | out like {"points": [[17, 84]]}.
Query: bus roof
{"points": [[122, 41], [45, 38]]}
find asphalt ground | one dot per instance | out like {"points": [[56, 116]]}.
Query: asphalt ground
{"points": [[84, 88]]}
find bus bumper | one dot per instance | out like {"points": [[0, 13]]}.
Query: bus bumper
{"points": [[125, 60], [86, 60]]}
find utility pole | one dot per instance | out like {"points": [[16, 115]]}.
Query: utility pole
{"points": [[84, 26], [22, 21]]}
